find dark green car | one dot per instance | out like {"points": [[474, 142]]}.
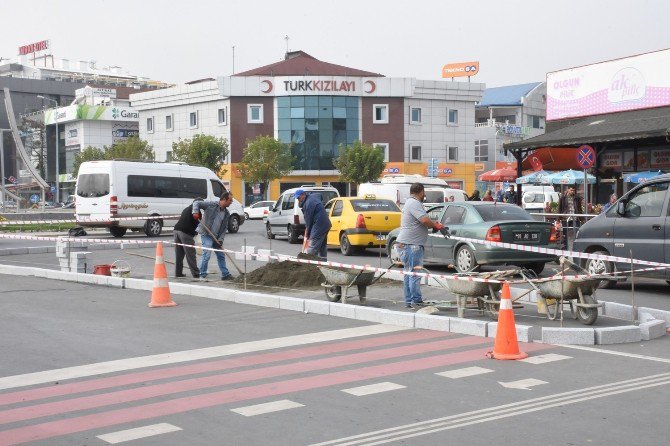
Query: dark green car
{"points": [[490, 221]]}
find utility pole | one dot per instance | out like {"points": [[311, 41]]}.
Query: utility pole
{"points": [[233, 59], [286, 38]]}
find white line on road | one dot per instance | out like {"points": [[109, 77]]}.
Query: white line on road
{"points": [[612, 352], [138, 432], [373, 388], [464, 372], [543, 359], [522, 384], [260, 409], [100, 368]]}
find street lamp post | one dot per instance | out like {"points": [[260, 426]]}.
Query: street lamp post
{"points": [[57, 200]]}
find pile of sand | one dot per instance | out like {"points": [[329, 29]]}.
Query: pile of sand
{"points": [[286, 275]]}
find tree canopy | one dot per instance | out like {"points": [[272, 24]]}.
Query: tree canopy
{"points": [[132, 148], [360, 163], [265, 159], [202, 150]]}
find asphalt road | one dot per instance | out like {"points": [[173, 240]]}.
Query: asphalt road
{"points": [[88, 365]]}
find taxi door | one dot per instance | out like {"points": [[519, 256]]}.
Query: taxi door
{"points": [[334, 210]]}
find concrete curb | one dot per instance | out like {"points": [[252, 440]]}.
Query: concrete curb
{"points": [[653, 326], [47, 249]]}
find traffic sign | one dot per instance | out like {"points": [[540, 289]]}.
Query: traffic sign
{"points": [[12, 180], [586, 156], [53, 188], [34, 198]]}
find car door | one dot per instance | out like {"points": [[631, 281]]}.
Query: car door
{"points": [[641, 231], [275, 219], [336, 223], [443, 248], [435, 214]]}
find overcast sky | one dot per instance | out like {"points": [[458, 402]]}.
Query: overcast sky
{"points": [[515, 41]]}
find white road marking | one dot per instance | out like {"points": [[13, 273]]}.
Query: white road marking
{"points": [[522, 384], [260, 409], [139, 432], [100, 368], [612, 352], [373, 388], [543, 359], [464, 372]]}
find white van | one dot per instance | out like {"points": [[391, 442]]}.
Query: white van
{"points": [[118, 189], [396, 187], [534, 199], [285, 217], [437, 195]]}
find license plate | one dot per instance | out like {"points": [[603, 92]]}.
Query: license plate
{"points": [[380, 237], [526, 236]]}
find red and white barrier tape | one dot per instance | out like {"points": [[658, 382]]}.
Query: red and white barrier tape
{"points": [[84, 221]]}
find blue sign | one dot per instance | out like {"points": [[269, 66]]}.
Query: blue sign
{"points": [[586, 156], [53, 188], [447, 171], [34, 198], [394, 170]]}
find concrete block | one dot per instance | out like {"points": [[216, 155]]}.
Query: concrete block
{"points": [[85, 278], [258, 299], [37, 250], [652, 329], [657, 314], [576, 336], [116, 282], [370, 314], [399, 318], [317, 306], [291, 303], [431, 322], [343, 310], [139, 284], [468, 326], [617, 335], [524, 333], [17, 251], [619, 311], [222, 294], [201, 291], [183, 289]]}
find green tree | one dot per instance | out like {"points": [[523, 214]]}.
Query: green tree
{"points": [[265, 159], [202, 150], [131, 148], [88, 154], [360, 163]]}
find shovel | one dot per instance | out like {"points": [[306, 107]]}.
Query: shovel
{"points": [[209, 231]]}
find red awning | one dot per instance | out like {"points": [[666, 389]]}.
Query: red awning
{"points": [[506, 174], [553, 158]]}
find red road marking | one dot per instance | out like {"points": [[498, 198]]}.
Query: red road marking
{"points": [[211, 366], [179, 405], [173, 387]]}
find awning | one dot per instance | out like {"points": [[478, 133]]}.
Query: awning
{"points": [[622, 126]]}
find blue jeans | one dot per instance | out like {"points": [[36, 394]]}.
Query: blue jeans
{"points": [[208, 242], [317, 246], [411, 256]]}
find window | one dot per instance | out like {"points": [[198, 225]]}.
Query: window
{"points": [[481, 150], [166, 187], [288, 202], [217, 188], [168, 156], [452, 153], [647, 201], [93, 185], [374, 205], [415, 153], [414, 115], [452, 116], [193, 120], [222, 116], [168, 123], [255, 113], [150, 125], [337, 208], [380, 114], [384, 146], [453, 215], [535, 122]]}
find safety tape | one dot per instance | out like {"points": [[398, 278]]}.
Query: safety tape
{"points": [[86, 220]]}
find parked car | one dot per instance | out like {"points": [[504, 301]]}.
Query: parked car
{"points": [[636, 225], [497, 222], [260, 209], [285, 217], [396, 186], [534, 199], [438, 195], [361, 222]]}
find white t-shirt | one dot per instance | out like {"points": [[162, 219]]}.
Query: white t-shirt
{"points": [[412, 231]]}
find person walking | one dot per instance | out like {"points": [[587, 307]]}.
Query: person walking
{"points": [[184, 231], [317, 223], [216, 220], [488, 196], [569, 205], [414, 225], [510, 195], [475, 196]]}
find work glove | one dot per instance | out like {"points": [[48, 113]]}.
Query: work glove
{"points": [[196, 216], [444, 230]]}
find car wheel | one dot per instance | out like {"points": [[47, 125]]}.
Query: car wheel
{"points": [[345, 245], [246, 216], [393, 253], [117, 231], [234, 224], [268, 231], [465, 260], [153, 227], [597, 266], [293, 235], [536, 267]]}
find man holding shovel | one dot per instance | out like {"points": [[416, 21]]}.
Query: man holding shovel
{"points": [[212, 230], [317, 223]]}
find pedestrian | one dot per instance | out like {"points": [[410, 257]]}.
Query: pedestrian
{"points": [[488, 196], [510, 195], [317, 223], [613, 199], [414, 225], [569, 205], [499, 195], [216, 221], [184, 231], [475, 196]]}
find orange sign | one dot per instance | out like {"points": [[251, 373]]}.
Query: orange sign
{"points": [[479, 167], [460, 69]]}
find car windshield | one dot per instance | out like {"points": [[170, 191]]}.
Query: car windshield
{"points": [[326, 195], [495, 212], [93, 185], [363, 205]]}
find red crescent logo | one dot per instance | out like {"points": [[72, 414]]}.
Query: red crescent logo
{"points": [[269, 84], [373, 86]]}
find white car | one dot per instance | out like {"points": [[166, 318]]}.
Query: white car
{"points": [[259, 209]]}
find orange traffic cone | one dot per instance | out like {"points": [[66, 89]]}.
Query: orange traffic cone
{"points": [[506, 345], [160, 295]]}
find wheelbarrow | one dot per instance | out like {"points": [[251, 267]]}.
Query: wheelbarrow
{"points": [[339, 280], [580, 290], [478, 295]]}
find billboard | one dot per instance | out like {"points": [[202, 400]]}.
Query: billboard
{"points": [[315, 86], [460, 69], [631, 83], [90, 113]]}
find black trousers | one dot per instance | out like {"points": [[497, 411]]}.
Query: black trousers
{"points": [[181, 251]]}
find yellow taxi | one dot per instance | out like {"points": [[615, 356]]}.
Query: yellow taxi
{"points": [[361, 222]]}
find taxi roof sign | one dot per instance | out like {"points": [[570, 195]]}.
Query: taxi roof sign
{"points": [[370, 197]]}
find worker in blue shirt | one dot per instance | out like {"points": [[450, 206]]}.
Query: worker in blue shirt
{"points": [[317, 223]]}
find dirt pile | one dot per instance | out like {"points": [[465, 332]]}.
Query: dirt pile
{"points": [[286, 275]]}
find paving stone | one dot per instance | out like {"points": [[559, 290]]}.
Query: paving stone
{"points": [[260, 300], [617, 335], [370, 314], [139, 284], [576, 336], [652, 329], [291, 303], [468, 326], [431, 322], [343, 310], [657, 314], [524, 333], [619, 311], [317, 306]]}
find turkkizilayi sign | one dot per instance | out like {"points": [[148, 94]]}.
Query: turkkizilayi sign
{"points": [[315, 86]]}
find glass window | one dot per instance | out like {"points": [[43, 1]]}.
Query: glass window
{"points": [[311, 124], [452, 153], [329, 206], [494, 212], [193, 119], [453, 215], [288, 202], [217, 188], [284, 101], [374, 206], [326, 100], [297, 124], [311, 101], [150, 125], [93, 185], [325, 112], [325, 124], [339, 101], [352, 124], [298, 112], [380, 114], [192, 188], [535, 122], [647, 201], [415, 115], [326, 136], [337, 208], [452, 117], [481, 150], [168, 122], [283, 113], [416, 153], [352, 101], [311, 112], [339, 112], [168, 156], [255, 113], [284, 124], [297, 101], [222, 116]]}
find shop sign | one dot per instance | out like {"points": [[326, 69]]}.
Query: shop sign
{"points": [[455, 184], [42, 45], [660, 158], [315, 86], [445, 170], [479, 167], [611, 160], [392, 168], [460, 69]]}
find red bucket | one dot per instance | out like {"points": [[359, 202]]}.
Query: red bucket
{"points": [[102, 270]]}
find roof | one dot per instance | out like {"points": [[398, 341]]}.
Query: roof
{"points": [[510, 95], [299, 63], [620, 126]]}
